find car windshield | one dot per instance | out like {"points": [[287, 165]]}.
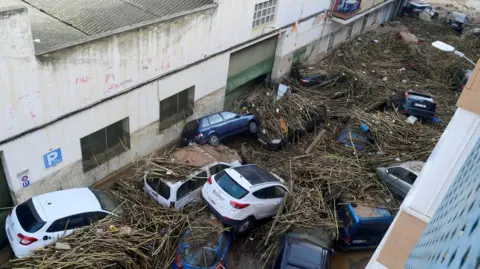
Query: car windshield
{"points": [[230, 186], [107, 202], [28, 217]]}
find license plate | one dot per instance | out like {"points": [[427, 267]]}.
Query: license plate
{"points": [[10, 237], [218, 195], [421, 105]]}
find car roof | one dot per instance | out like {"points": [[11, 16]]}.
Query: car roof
{"points": [[304, 254], [254, 174], [366, 212], [414, 166], [459, 15], [59, 204]]}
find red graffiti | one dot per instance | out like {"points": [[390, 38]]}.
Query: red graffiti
{"points": [[83, 79], [22, 97], [108, 76], [32, 115]]}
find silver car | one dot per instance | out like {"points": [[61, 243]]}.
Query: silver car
{"points": [[401, 176]]}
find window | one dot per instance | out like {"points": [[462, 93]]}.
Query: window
{"points": [[93, 217], [230, 186], [204, 123], [176, 107], [192, 184], [270, 193], [403, 174], [159, 186], [105, 144], [107, 202], [228, 115], [264, 13], [28, 217], [68, 223], [215, 169], [215, 118]]}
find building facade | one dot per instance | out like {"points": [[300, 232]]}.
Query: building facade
{"points": [[85, 94]]}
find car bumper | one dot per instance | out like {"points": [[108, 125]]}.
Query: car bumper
{"points": [[200, 141], [268, 143], [224, 220], [18, 250]]}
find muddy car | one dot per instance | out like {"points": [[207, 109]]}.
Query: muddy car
{"points": [[170, 191]]}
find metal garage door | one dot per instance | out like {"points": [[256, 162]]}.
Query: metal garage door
{"points": [[248, 64]]}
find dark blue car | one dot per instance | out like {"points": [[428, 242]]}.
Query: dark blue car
{"points": [[217, 126], [202, 257]]}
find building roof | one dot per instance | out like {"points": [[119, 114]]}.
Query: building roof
{"points": [[60, 204], [99, 16], [58, 22]]}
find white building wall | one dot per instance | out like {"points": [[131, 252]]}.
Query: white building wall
{"points": [[83, 76]]}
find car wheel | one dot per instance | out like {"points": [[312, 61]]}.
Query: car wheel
{"points": [[252, 127], [243, 227], [213, 140]]}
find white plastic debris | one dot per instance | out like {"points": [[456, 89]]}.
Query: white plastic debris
{"points": [[376, 41], [404, 81], [310, 67], [401, 69], [168, 172], [125, 231], [277, 110], [411, 119], [63, 246], [398, 159], [384, 78]]}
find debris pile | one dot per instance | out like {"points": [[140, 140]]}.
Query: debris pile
{"points": [[144, 235]]}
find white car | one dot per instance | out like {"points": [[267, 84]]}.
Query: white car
{"points": [[179, 193], [242, 195], [401, 176], [42, 219]]}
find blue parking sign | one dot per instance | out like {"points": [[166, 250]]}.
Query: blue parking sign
{"points": [[52, 158]]}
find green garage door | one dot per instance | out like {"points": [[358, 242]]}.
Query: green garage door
{"points": [[248, 64]]}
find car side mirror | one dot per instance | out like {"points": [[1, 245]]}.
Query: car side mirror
{"points": [[386, 171]]}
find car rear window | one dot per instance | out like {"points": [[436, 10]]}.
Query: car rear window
{"points": [[107, 202], [230, 186], [28, 217], [161, 188], [191, 126]]}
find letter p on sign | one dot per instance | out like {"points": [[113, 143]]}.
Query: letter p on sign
{"points": [[52, 158]]}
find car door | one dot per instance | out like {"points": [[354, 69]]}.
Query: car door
{"points": [[217, 125], [190, 190], [158, 190], [63, 227], [270, 199], [217, 168], [233, 122], [397, 181]]}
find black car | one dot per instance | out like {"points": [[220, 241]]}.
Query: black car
{"points": [[457, 21], [415, 104], [303, 250], [414, 9], [276, 141]]}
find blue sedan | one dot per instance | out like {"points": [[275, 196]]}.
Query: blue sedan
{"points": [[217, 126], [203, 257]]}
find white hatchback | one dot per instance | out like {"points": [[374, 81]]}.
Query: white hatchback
{"points": [[239, 196], [42, 219], [179, 193]]}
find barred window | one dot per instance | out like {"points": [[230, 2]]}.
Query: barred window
{"points": [[264, 13]]}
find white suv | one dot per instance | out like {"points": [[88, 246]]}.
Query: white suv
{"points": [[241, 195], [41, 220]]}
